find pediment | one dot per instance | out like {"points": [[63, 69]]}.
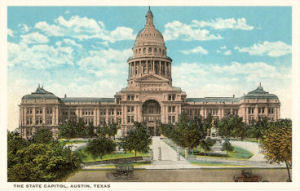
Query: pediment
{"points": [[152, 78]]}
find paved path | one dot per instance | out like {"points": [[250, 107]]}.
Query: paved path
{"points": [[252, 147], [169, 157], [76, 146]]}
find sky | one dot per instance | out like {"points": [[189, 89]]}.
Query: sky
{"points": [[82, 51]]}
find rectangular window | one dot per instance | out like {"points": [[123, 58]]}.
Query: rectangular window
{"points": [[130, 97], [171, 97], [130, 109], [261, 110], [173, 119]]}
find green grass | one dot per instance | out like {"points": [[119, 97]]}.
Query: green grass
{"points": [[86, 157], [215, 163], [72, 141], [239, 153]]}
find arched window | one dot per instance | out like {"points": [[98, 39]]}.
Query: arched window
{"points": [[155, 50], [144, 50], [150, 50]]}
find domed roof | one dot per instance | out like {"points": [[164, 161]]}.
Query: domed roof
{"points": [[259, 92], [40, 93], [149, 35]]}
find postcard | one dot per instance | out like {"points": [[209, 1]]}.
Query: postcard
{"points": [[160, 95]]}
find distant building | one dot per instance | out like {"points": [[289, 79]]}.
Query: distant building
{"points": [[149, 97]]}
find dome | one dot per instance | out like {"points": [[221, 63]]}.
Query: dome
{"points": [[40, 93], [149, 36], [259, 93]]}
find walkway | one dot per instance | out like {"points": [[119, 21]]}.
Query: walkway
{"points": [[253, 147], [169, 157]]}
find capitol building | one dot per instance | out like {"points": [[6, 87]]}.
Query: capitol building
{"points": [[149, 97]]}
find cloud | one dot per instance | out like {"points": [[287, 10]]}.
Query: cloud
{"points": [[84, 28], [106, 62], [34, 38], [68, 41], [203, 79], [24, 28], [223, 50], [177, 30], [227, 52], [198, 49], [272, 49], [10, 32], [220, 23], [38, 56]]}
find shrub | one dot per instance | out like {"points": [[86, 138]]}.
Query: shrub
{"points": [[227, 146]]}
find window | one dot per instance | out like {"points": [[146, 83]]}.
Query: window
{"points": [[28, 120], [111, 112], [49, 121], [28, 110], [270, 110], [250, 110], [130, 119], [171, 97], [102, 112], [38, 110], [130, 109], [130, 97], [261, 110], [171, 109]]}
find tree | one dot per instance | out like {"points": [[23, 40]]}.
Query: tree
{"points": [[112, 130], [232, 126], [89, 132], [43, 135], [227, 146], [43, 163], [100, 147], [188, 133], [75, 129], [277, 144], [192, 132], [14, 143], [257, 128], [138, 139]]}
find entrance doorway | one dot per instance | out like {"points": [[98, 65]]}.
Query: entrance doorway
{"points": [[151, 113]]}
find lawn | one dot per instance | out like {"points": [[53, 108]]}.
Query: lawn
{"points": [[86, 157], [215, 163], [73, 141], [239, 153]]}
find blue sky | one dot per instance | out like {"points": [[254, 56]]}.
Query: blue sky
{"points": [[82, 51]]}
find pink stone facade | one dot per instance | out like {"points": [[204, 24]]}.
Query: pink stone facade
{"points": [[149, 97]]}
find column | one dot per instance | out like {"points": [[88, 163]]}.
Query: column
{"points": [[106, 115], [98, 116], [24, 115], [53, 115], [256, 112], [159, 68], [33, 115], [153, 66], [44, 115], [115, 115], [95, 117], [57, 118]]}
